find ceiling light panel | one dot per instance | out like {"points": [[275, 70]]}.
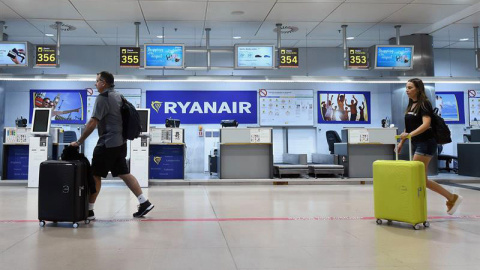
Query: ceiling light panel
{"points": [[184, 29], [8, 14], [48, 9], [109, 11], [363, 12], [254, 11], [173, 10], [82, 28], [423, 13], [225, 30], [308, 12]]}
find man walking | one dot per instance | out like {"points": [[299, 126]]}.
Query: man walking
{"points": [[111, 150]]}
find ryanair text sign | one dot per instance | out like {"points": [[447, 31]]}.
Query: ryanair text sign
{"points": [[202, 107]]}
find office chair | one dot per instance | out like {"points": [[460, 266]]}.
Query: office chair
{"points": [[448, 160], [69, 136], [332, 138]]}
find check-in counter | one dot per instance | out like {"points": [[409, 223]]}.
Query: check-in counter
{"points": [[468, 154], [360, 147], [167, 153], [245, 153], [16, 143]]}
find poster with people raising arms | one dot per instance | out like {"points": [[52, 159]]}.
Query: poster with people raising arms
{"points": [[68, 106], [343, 107]]}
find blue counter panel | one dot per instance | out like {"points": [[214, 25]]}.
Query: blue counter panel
{"points": [[17, 162], [166, 162]]}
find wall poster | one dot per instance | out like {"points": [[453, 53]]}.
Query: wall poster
{"points": [[335, 107], [69, 106], [450, 107]]}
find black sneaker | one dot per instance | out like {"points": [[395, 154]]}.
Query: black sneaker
{"points": [[91, 215], [143, 209]]}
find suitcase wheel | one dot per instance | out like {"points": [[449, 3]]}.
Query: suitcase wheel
{"points": [[42, 223], [75, 225], [389, 222], [87, 221], [426, 224], [379, 222], [416, 226]]}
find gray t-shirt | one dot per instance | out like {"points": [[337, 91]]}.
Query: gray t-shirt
{"points": [[107, 111]]}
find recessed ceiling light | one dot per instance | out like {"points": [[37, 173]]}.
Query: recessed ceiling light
{"points": [[49, 35], [350, 38], [237, 37], [159, 36], [464, 39], [237, 12]]}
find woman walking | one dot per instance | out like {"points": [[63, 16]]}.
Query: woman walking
{"points": [[418, 117]]}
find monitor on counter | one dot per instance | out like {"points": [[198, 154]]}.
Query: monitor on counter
{"points": [[41, 121], [394, 57], [144, 120], [254, 56], [164, 56], [13, 54]]}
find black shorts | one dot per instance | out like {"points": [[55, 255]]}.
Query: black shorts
{"points": [[110, 160]]}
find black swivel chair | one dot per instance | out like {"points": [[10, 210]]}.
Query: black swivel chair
{"points": [[332, 138], [448, 160]]}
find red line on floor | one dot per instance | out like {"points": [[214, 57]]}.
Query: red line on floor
{"points": [[252, 219]]}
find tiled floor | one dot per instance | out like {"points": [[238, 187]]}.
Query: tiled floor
{"points": [[238, 227]]}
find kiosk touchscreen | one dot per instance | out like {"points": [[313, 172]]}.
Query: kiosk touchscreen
{"points": [[40, 147], [144, 120], [139, 154], [41, 121]]}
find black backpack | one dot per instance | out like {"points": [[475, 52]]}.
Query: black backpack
{"points": [[131, 121], [441, 132]]}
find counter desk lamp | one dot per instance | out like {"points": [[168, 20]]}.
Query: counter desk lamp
{"points": [[172, 123], [22, 122], [229, 123]]}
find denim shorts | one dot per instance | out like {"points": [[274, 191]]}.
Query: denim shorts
{"points": [[425, 148]]}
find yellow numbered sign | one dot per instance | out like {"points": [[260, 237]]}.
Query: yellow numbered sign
{"points": [[130, 57]]}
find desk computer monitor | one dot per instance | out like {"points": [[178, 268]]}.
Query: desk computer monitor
{"points": [[41, 121], [144, 120]]}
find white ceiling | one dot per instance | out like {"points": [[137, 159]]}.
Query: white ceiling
{"points": [[111, 22]]}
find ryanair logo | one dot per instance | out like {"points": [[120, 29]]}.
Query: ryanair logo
{"points": [[157, 160], [202, 107], [156, 105]]}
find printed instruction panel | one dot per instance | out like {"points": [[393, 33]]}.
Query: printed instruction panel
{"points": [[286, 107], [474, 111]]}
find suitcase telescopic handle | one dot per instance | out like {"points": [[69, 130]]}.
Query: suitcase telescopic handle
{"points": [[409, 146]]}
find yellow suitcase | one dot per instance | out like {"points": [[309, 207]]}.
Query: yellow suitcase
{"points": [[399, 191]]}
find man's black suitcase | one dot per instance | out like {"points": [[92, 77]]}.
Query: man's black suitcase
{"points": [[62, 192]]}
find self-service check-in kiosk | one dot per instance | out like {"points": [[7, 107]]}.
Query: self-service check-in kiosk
{"points": [[139, 153], [40, 148]]}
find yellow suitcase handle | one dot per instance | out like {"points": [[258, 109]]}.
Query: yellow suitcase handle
{"points": [[409, 146], [399, 137]]}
